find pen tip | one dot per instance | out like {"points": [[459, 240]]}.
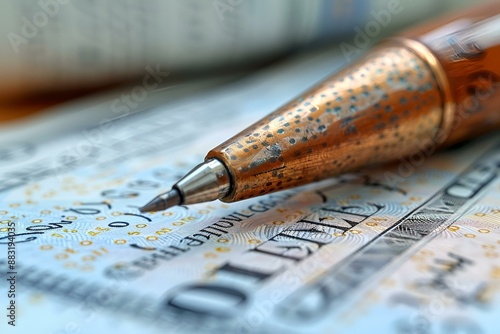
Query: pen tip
{"points": [[163, 202]]}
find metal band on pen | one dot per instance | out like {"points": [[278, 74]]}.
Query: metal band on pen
{"points": [[439, 73]]}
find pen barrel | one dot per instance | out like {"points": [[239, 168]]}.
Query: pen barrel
{"points": [[406, 97], [467, 48], [382, 107]]}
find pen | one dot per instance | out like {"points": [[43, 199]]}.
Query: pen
{"points": [[433, 86]]}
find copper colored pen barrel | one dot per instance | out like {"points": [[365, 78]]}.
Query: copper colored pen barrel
{"points": [[430, 87]]}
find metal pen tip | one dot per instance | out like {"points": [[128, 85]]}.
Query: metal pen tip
{"points": [[163, 201], [206, 182]]}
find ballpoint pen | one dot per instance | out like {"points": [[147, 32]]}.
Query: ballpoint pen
{"points": [[433, 86]]}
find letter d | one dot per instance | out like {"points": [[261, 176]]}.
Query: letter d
{"points": [[361, 40], [51, 7], [28, 29]]}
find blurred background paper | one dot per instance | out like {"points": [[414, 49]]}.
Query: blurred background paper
{"points": [[50, 46]]}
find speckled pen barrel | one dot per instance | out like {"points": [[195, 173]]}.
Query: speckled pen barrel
{"points": [[409, 92]]}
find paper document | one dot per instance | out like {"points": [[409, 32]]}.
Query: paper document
{"points": [[412, 247]]}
